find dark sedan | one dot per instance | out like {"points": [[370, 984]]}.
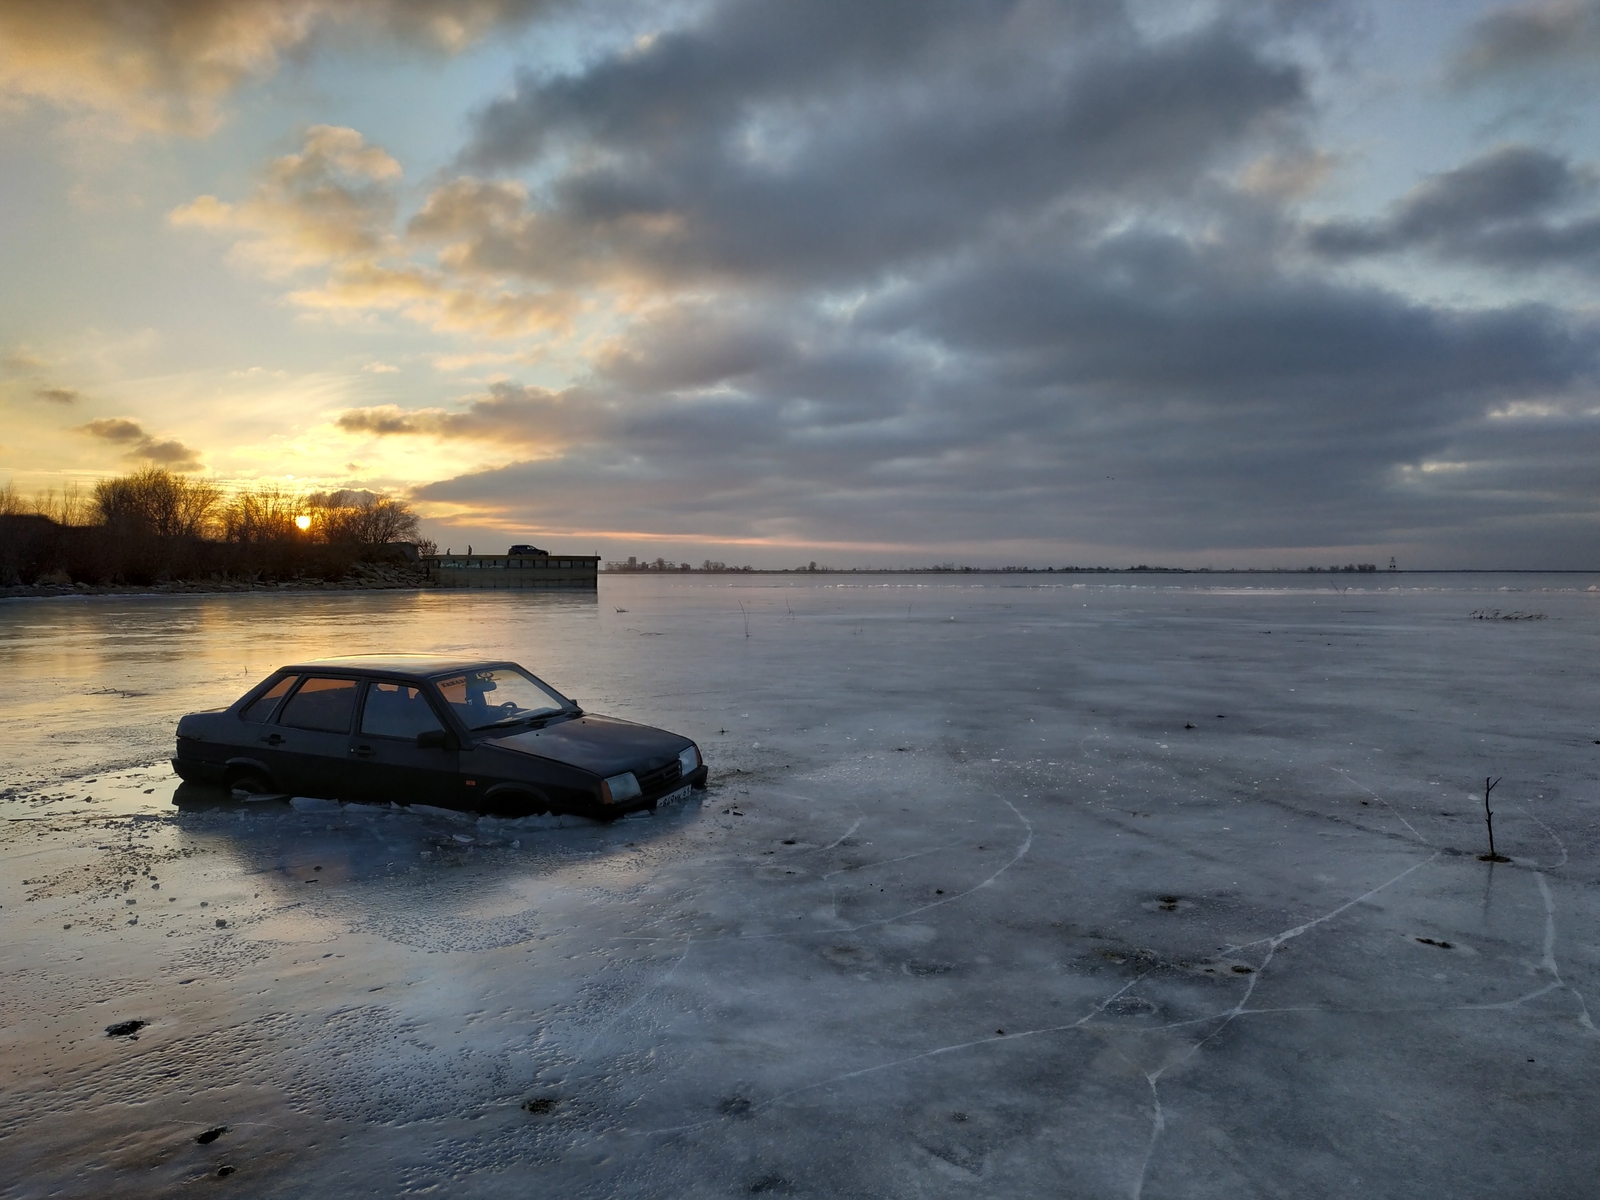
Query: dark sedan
{"points": [[419, 729]]}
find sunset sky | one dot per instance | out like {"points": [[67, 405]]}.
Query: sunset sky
{"points": [[1278, 282]]}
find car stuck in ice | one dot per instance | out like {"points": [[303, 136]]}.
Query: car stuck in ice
{"points": [[482, 736]]}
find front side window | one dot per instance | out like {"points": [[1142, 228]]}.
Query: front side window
{"points": [[321, 704], [397, 710], [260, 709], [498, 696]]}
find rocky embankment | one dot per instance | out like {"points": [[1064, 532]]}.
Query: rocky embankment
{"points": [[361, 576]]}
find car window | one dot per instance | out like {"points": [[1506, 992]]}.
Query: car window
{"points": [[397, 710], [260, 709], [324, 704], [494, 694]]}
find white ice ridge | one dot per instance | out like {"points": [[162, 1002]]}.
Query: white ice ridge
{"points": [[1392, 809], [1227, 1017], [987, 881], [1548, 962], [1522, 808]]}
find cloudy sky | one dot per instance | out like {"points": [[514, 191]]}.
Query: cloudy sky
{"points": [[1095, 281]]}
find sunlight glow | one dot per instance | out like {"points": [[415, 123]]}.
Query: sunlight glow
{"points": [[302, 523]]}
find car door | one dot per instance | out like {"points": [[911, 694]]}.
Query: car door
{"points": [[313, 731], [259, 739], [386, 761]]}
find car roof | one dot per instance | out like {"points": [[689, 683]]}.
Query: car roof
{"points": [[419, 666]]}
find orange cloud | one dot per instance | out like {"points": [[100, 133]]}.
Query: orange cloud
{"points": [[168, 67], [331, 206], [333, 201]]}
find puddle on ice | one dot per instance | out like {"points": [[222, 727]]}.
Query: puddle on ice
{"points": [[984, 897]]}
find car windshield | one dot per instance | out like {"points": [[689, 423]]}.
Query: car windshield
{"points": [[492, 696]]}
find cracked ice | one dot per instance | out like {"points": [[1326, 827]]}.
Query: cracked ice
{"points": [[995, 903]]}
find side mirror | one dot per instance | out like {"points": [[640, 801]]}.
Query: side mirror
{"points": [[437, 739]]}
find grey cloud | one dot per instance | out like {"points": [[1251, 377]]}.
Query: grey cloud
{"points": [[1138, 386], [168, 453], [141, 446], [951, 275], [1502, 209], [1528, 35], [697, 344], [22, 360], [1145, 314], [510, 412], [686, 81], [757, 146], [58, 395], [114, 429]]}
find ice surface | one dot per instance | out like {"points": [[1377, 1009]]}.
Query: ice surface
{"points": [[968, 909]]}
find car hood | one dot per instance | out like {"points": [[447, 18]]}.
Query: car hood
{"points": [[603, 745]]}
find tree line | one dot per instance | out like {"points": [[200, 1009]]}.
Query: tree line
{"points": [[156, 524], [161, 503]]}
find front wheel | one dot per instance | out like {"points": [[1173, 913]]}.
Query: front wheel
{"points": [[509, 806]]}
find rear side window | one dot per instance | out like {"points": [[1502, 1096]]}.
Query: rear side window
{"points": [[260, 709], [322, 704], [397, 710]]}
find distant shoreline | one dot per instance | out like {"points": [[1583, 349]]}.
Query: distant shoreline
{"points": [[209, 587], [215, 587], [1367, 575]]}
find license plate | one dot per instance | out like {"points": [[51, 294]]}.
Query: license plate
{"points": [[673, 797]]}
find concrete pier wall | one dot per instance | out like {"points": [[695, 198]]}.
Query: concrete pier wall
{"points": [[512, 571]]}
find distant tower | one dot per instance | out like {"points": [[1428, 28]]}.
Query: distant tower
{"points": [[1392, 567]]}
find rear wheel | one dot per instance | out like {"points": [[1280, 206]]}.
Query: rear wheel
{"points": [[250, 783]]}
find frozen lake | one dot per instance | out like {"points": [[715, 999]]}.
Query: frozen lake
{"points": [[969, 908]]}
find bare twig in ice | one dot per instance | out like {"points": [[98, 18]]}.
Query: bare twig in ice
{"points": [[1488, 819]]}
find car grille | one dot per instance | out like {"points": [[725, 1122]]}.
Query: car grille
{"points": [[660, 780]]}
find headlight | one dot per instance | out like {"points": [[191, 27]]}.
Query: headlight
{"points": [[619, 788], [689, 761]]}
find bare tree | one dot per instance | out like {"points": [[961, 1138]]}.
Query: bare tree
{"points": [[362, 517], [68, 507], [157, 501], [266, 514]]}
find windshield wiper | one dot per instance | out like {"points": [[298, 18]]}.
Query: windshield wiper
{"points": [[507, 722]]}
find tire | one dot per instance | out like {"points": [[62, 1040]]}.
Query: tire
{"points": [[509, 806], [251, 783]]}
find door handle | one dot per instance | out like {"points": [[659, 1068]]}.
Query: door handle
{"points": [[273, 739], [362, 751]]}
